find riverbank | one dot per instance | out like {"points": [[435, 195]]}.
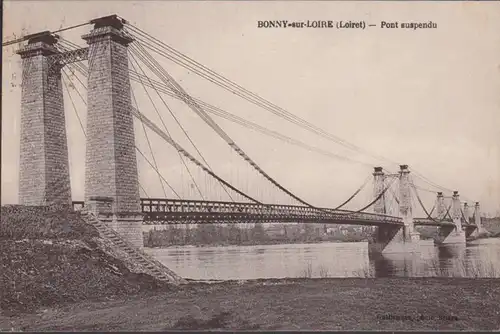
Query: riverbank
{"points": [[210, 235], [207, 235], [49, 257], [314, 242], [314, 304]]}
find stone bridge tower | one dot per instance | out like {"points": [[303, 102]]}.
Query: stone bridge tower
{"points": [[111, 176], [378, 188], [43, 162], [111, 165]]}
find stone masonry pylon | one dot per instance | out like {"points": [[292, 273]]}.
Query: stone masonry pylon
{"points": [[44, 165], [111, 166], [378, 188], [405, 205]]}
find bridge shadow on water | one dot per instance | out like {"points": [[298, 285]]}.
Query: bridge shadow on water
{"points": [[430, 261], [457, 260]]}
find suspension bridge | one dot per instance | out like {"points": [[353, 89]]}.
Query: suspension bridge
{"points": [[114, 74]]}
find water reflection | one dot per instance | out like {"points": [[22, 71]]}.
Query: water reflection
{"points": [[478, 259]]}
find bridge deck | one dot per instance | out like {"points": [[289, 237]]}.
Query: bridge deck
{"points": [[159, 211]]}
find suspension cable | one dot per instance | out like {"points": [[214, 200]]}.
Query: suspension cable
{"points": [[166, 129], [377, 198], [26, 37], [138, 150], [156, 46], [355, 193], [152, 67], [83, 129], [184, 153], [423, 207], [245, 123], [463, 217], [200, 112], [183, 60], [160, 87], [169, 140], [150, 147], [433, 208], [73, 102]]}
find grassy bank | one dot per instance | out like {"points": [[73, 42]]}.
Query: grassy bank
{"points": [[52, 257], [343, 304]]}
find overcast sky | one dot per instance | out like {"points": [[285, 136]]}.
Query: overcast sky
{"points": [[426, 98]]}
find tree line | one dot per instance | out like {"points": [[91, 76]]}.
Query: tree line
{"points": [[232, 234]]}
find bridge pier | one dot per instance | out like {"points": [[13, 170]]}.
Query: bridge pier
{"points": [[451, 234], [480, 231], [43, 164], [392, 238], [127, 224], [111, 165], [469, 231]]}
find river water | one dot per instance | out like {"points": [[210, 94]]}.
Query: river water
{"points": [[479, 258]]}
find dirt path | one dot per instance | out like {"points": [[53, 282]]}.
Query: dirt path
{"points": [[313, 304]]}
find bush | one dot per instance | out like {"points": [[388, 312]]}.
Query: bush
{"points": [[38, 222]]}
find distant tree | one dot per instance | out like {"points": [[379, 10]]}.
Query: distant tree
{"points": [[258, 233], [234, 235]]}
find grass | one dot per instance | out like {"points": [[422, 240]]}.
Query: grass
{"points": [[365, 272], [308, 271], [462, 268], [323, 272], [296, 304]]}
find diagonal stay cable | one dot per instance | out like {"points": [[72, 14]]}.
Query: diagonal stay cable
{"points": [[377, 198], [423, 206], [245, 123], [164, 125], [199, 111], [244, 195], [138, 150], [179, 148], [149, 145], [447, 213], [158, 86], [79, 119], [167, 51], [73, 102]]}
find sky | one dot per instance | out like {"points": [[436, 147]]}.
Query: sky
{"points": [[428, 98]]}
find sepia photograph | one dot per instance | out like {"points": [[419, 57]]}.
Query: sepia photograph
{"points": [[250, 166]]}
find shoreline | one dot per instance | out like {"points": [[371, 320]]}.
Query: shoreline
{"points": [[284, 304], [427, 240], [253, 244]]}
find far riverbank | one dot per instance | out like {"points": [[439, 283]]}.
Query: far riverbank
{"points": [[212, 235]]}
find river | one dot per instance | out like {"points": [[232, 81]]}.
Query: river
{"points": [[479, 258]]}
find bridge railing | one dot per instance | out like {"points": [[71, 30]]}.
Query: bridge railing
{"points": [[161, 208], [430, 222], [156, 208]]}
